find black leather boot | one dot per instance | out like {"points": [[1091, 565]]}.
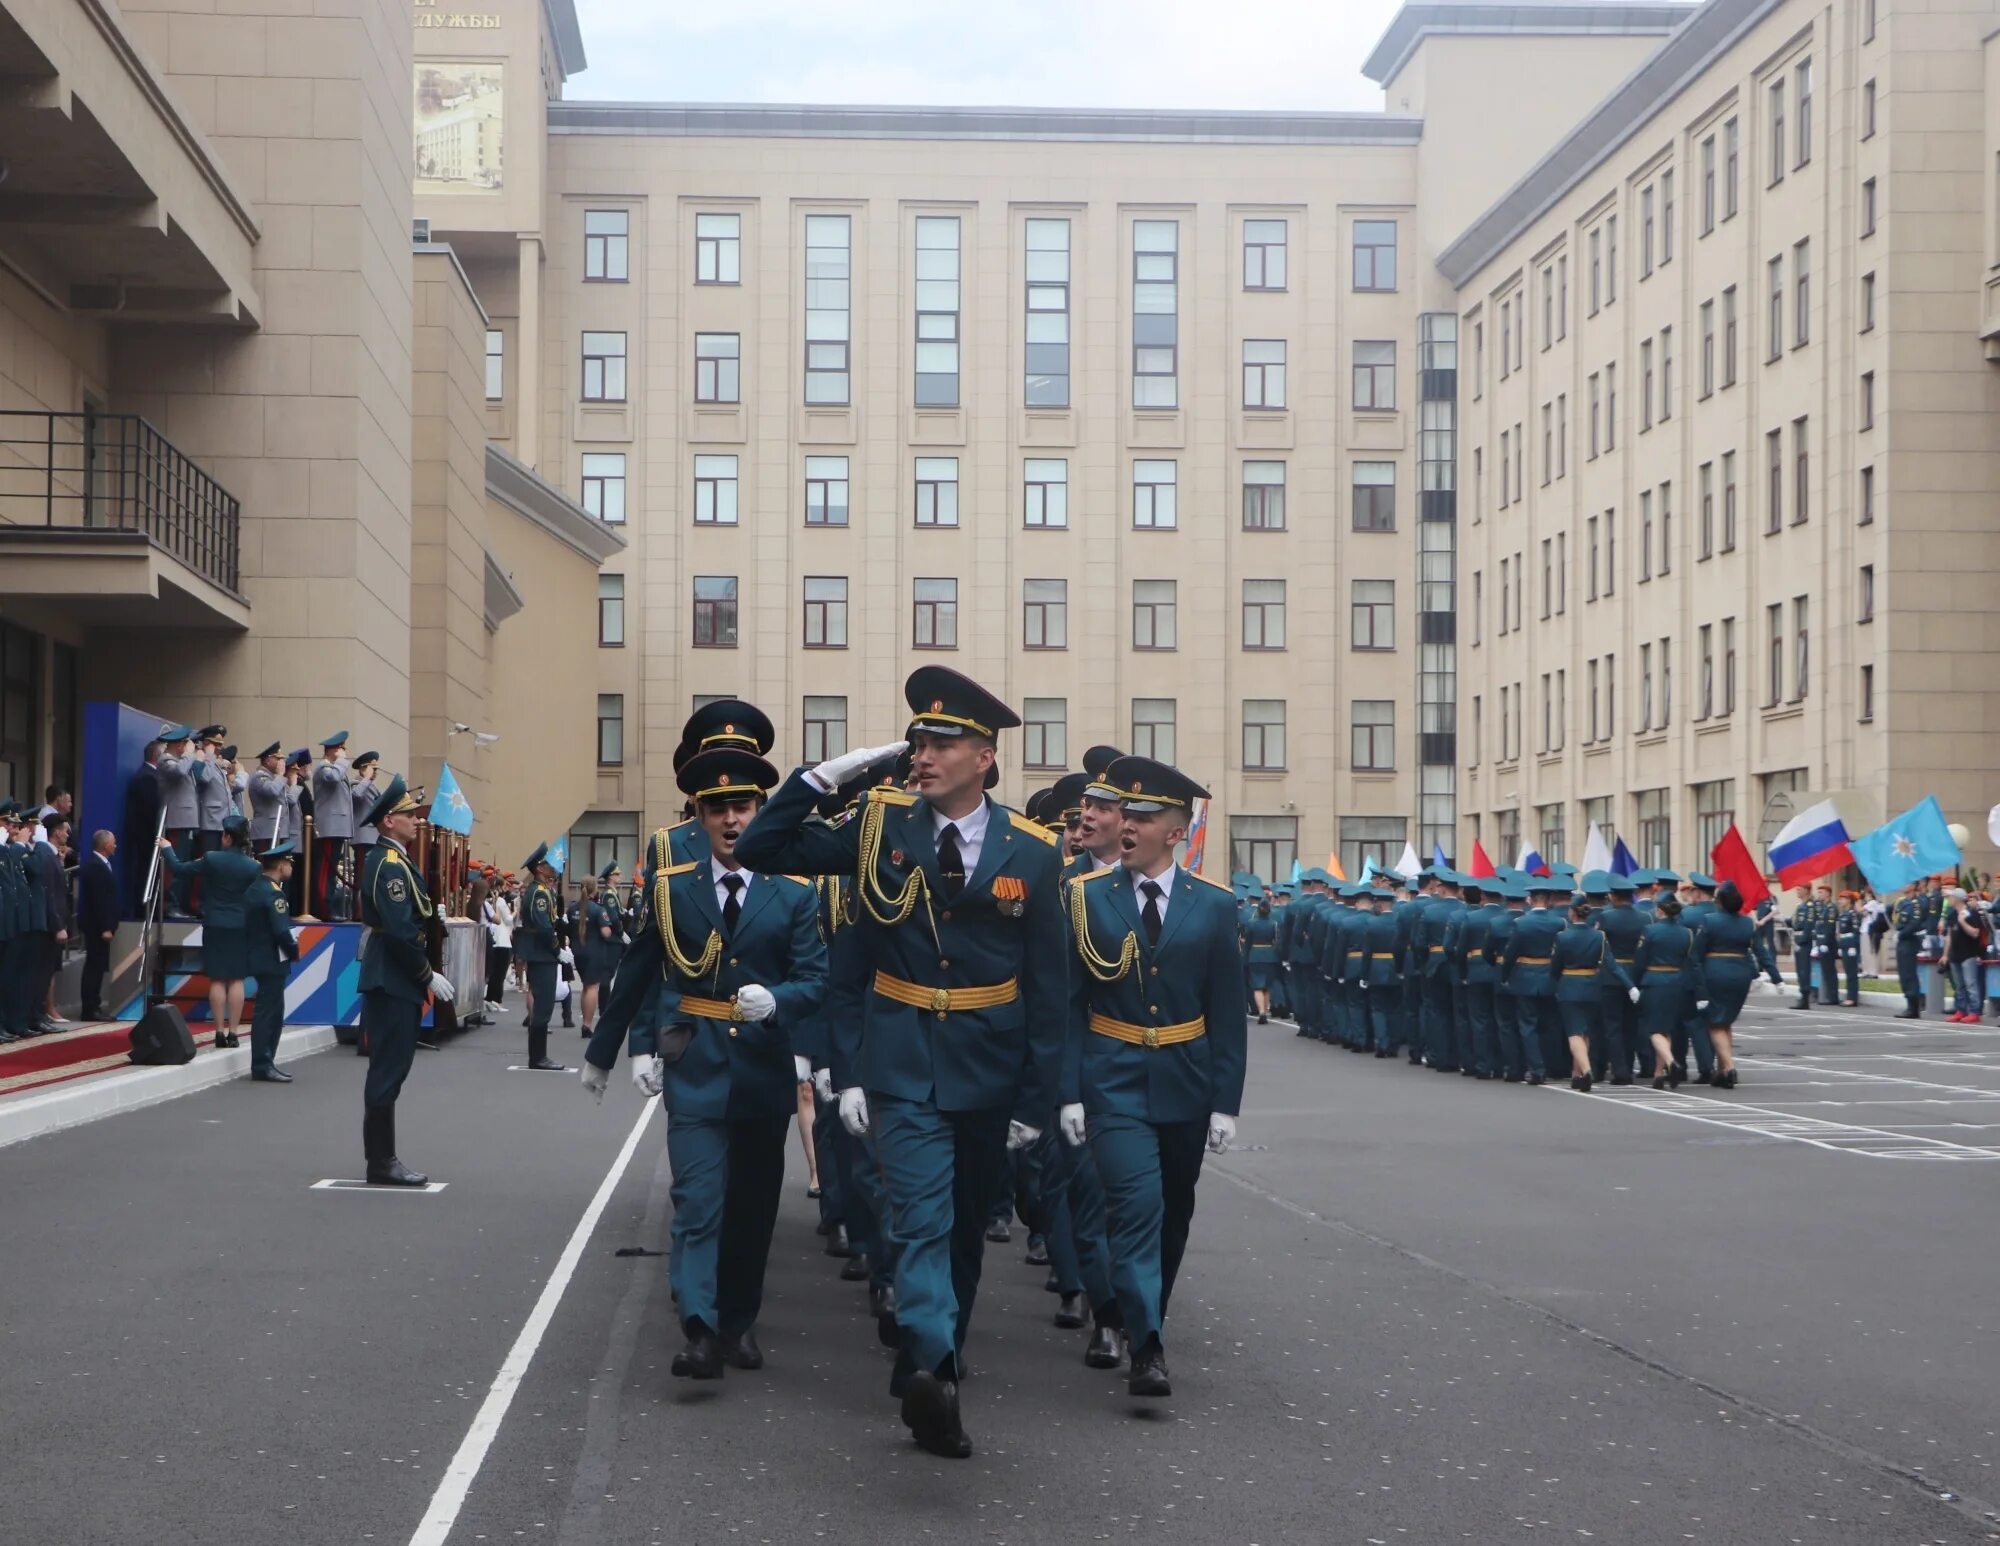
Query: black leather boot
{"points": [[378, 1141]]}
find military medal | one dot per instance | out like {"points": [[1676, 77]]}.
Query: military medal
{"points": [[1011, 895]]}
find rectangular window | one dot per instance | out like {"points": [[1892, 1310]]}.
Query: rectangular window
{"points": [[1264, 734], [1504, 563], [1478, 360], [1645, 386], [718, 249], [1801, 655], [1375, 496], [1802, 97], [606, 234], [1655, 828], [1263, 496], [826, 727], [1155, 313], [1372, 624], [1714, 812], [1264, 373], [1774, 482], [1730, 160], [1596, 407], [1868, 21], [1045, 732], [1704, 704], [1547, 743], [1868, 110], [1729, 336], [1666, 528], [936, 621], [1774, 323], [1865, 601], [718, 368], [1645, 535], [1868, 206], [610, 611], [1591, 594], [1610, 552], [604, 486], [1666, 683], [1610, 259], [1868, 303], [1263, 254], [496, 364], [610, 730], [1478, 604], [1503, 468], [1047, 327], [1548, 442], [1645, 723], [1666, 374], [1153, 728], [829, 308], [1645, 232], [1046, 481], [604, 367], [1801, 293], [1705, 537], [1868, 399], [1562, 433], [1708, 185], [1374, 254], [826, 491], [1867, 693], [1774, 677], [715, 491], [1153, 494], [715, 611], [1801, 474], [1596, 271], [1777, 126], [937, 311], [937, 491], [1548, 305], [1045, 614], [1562, 296], [1263, 614], [1506, 353], [826, 612], [1153, 622], [1373, 723], [1267, 845], [1867, 515], [1374, 374], [1729, 665], [1707, 348]]}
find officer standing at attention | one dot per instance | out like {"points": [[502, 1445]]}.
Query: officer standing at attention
{"points": [[1154, 1063], [535, 948], [959, 1046], [1805, 925], [272, 795], [1525, 970], [1910, 921], [1826, 944], [273, 949], [396, 977], [333, 820], [1847, 937]]}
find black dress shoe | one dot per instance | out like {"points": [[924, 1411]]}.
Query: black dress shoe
{"points": [[1384, 1052], [1070, 1314], [998, 1232], [742, 1352], [1660, 1083], [270, 1076], [1726, 1081], [930, 1409], [1038, 1251], [1149, 1373], [393, 1172], [882, 1305], [855, 1270], [822, 1229], [837, 1243], [548, 1066], [1052, 1284], [1263, 1019], [701, 1359], [1622, 1079], [1537, 1079], [1104, 1351]]}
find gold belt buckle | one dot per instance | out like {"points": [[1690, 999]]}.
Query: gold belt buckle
{"points": [[1152, 1036], [940, 999]]}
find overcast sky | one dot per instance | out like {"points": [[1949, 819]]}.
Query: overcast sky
{"points": [[996, 53]]}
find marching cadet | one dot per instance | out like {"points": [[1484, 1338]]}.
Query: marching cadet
{"points": [[1154, 1063], [1623, 925], [333, 821], [1382, 970], [959, 1046], [1302, 966], [1331, 964], [1465, 960], [1525, 971], [1724, 960], [1826, 944], [1409, 951], [396, 977], [1508, 1062], [1666, 988], [1910, 921], [536, 948], [272, 949], [270, 793], [1259, 935], [361, 788], [1694, 1031], [746, 962], [1847, 937], [1351, 943], [1584, 969], [1427, 944]]}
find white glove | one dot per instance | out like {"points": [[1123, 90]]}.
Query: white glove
{"points": [[755, 1003], [646, 1075], [624, 939], [1020, 1135], [566, 956], [1070, 1120], [441, 988], [1632, 994], [595, 1079], [854, 1111], [823, 1084], [834, 772], [1700, 1004], [802, 1067], [1221, 1132]]}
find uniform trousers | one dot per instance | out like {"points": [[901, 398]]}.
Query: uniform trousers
{"points": [[542, 996], [1617, 1043], [96, 965], [497, 959], [1907, 970], [1149, 1171], [864, 1205], [267, 1020], [1385, 1011], [389, 1025], [1507, 1058], [1479, 1049], [19, 959], [836, 1164], [1829, 977], [727, 1176], [1802, 973], [1535, 1018], [178, 886], [1306, 985], [325, 864], [1440, 1045], [1077, 1257]]}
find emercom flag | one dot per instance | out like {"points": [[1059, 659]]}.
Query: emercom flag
{"points": [[450, 810], [1906, 848]]}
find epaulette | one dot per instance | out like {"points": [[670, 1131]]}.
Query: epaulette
{"points": [[1109, 869], [1021, 823], [391, 854], [1219, 885], [885, 794], [682, 869]]}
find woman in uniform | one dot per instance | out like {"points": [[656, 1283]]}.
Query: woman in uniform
{"points": [[1259, 934], [226, 874], [1585, 965], [1660, 969], [596, 948], [1726, 959]]}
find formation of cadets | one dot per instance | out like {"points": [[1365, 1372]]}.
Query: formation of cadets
{"points": [[982, 995]]}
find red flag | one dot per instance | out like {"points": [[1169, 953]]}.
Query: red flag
{"points": [[1482, 867], [1730, 859]]}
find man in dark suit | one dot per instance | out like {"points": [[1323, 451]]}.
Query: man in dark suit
{"points": [[97, 913], [53, 933]]}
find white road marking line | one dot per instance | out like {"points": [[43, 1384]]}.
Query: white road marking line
{"points": [[1835, 1137], [1856, 1073], [459, 1475], [428, 1189]]}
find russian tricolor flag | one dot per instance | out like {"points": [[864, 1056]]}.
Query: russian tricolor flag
{"points": [[1532, 863], [1813, 843]]}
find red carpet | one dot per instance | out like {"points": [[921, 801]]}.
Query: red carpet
{"points": [[89, 1049]]}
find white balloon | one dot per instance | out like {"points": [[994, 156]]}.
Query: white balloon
{"points": [[1993, 826], [1958, 833]]}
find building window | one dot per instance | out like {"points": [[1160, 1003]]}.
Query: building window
{"points": [[1801, 474], [1375, 496], [1610, 551], [715, 611], [1803, 98], [1548, 576], [1708, 185], [826, 727], [1263, 496], [1153, 622], [1374, 374], [1656, 832], [1867, 694], [1046, 481], [718, 367], [1868, 110], [1153, 494], [1868, 21], [604, 486], [1774, 479], [1867, 515], [1592, 582], [1714, 812], [1801, 652], [1267, 845], [1596, 411], [1045, 614], [1478, 360], [826, 491], [1868, 303], [1801, 293], [1263, 614], [1044, 732], [1707, 348], [1865, 602], [1705, 688], [604, 367], [829, 308], [1264, 734], [718, 249], [1374, 254], [936, 621], [1645, 535], [1548, 306], [1596, 271], [715, 491], [937, 491], [1611, 407], [606, 235], [610, 730], [1562, 297], [1666, 374], [1774, 664], [1666, 683], [1705, 537], [1645, 233], [1263, 373], [937, 311], [1153, 728], [1048, 314], [1730, 160], [1155, 313], [496, 364], [826, 612], [1868, 399], [1666, 528], [1729, 336], [1645, 386], [1777, 127], [1372, 623], [610, 611], [1263, 254], [1373, 724], [1728, 665], [1610, 260], [1868, 206]]}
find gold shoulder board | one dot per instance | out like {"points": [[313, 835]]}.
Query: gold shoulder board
{"points": [[682, 869], [1110, 869], [883, 794], [1021, 823], [1219, 886]]}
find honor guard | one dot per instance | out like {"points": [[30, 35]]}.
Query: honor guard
{"points": [[1910, 921], [535, 947], [272, 950], [1847, 944], [1826, 944], [1808, 924]]}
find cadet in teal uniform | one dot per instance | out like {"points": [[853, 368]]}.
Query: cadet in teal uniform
{"points": [[1623, 925], [1908, 919], [1660, 969], [1847, 934], [536, 948], [1155, 1058], [1507, 1059], [1805, 925], [1260, 955], [1586, 969], [1525, 971], [1437, 1008], [1694, 1029], [225, 875], [272, 949], [1465, 950], [1382, 973], [1726, 958], [1302, 966]]}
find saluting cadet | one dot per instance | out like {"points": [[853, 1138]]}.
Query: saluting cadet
{"points": [[272, 949], [1622, 925], [535, 948], [1585, 969], [179, 811], [1908, 919], [1438, 1010], [1660, 969], [271, 793], [396, 977], [361, 789], [1465, 959], [1154, 1065], [1525, 968], [1726, 957], [1847, 935], [959, 1045], [333, 821]]}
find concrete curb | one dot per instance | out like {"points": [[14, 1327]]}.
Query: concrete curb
{"points": [[85, 1100]]}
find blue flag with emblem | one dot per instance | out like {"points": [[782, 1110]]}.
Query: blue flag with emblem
{"points": [[450, 810], [558, 854], [1906, 848]]}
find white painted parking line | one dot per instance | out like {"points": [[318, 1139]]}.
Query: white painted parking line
{"points": [[1836, 1137], [428, 1189], [1855, 1073]]}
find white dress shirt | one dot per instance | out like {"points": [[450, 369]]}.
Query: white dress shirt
{"points": [[971, 833], [722, 891], [1165, 881]]}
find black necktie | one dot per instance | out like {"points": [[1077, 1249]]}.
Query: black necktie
{"points": [[951, 864], [733, 908], [1150, 913]]}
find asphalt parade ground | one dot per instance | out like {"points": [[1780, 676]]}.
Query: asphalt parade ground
{"points": [[1416, 1308]]}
